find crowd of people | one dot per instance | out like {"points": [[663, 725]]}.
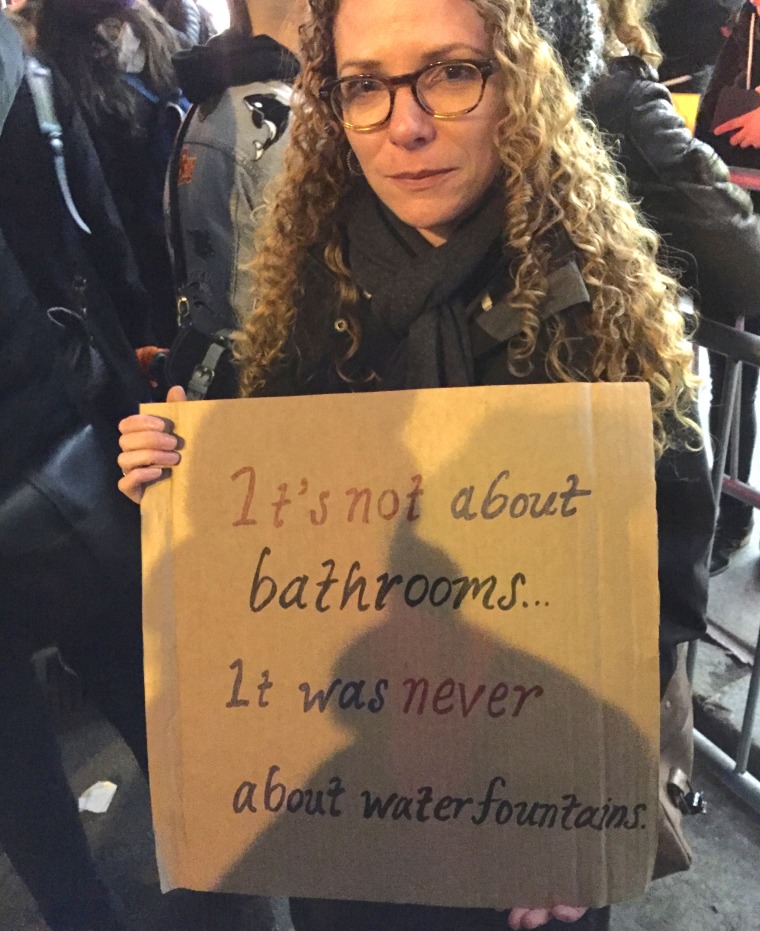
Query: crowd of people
{"points": [[422, 160]]}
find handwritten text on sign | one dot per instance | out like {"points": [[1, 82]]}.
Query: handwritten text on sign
{"points": [[404, 646]]}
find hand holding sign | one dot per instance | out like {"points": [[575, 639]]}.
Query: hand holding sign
{"points": [[524, 918], [149, 449]]}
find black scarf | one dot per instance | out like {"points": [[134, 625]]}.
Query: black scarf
{"points": [[417, 324]]}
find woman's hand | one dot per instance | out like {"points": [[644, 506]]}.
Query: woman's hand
{"points": [[148, 449], [537, 917], [748, 126]]}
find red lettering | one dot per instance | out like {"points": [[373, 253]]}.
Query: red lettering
{"points": [[444, 702], [498, 693], [466, 709], [444, 693], [245, 518]]}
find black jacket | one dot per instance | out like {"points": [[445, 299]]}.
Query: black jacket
{"points": [[685, 501], [36, 406], [52, 252], [683, 189]]}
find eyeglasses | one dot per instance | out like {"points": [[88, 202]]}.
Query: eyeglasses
{"points": [[445, 90]]}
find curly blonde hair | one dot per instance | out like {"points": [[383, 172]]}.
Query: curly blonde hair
{"points": [[626, 29], [556, 174]]}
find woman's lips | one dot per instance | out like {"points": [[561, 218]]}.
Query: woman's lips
{"points": [[419, 180]]}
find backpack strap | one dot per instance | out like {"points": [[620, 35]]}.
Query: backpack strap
{"points": [[205, 372], [179, 261], [40, 81], [140, 86]]}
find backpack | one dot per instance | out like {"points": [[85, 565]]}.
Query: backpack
{"points": [[200, 358]]}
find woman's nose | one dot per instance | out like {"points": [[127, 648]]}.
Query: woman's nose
{"points": [[409, 125]]}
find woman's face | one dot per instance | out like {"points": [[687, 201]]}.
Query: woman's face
{"points": [[430, 172]]}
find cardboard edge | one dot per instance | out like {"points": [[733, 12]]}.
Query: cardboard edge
{"points": [[160, 660]]}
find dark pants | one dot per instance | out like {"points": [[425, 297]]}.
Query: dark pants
{"points": [[325, 915], [98, 632], [735, 517]]}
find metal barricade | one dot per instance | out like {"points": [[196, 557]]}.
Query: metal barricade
{"points": [[737, 347]]}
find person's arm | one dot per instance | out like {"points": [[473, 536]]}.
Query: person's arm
{"points": [[149, 450]]}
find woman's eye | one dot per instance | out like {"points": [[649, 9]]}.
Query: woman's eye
{"points": [[450, 74], [457, 72], [356, 90]]}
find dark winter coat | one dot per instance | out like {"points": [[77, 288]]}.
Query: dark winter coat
{"points": [[31, 377], [134, 159], [35, 406], [52, 252], [46, 395], [683, 189]]}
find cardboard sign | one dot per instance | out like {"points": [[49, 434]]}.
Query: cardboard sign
{"points": [[403, 646]]}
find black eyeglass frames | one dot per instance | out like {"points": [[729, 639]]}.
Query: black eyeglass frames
{"points": [[444, 89]]}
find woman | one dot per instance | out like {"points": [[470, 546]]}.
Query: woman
{"points": [[116, 56], [436, 165]]}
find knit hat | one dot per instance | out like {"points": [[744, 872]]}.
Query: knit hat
{"points": [[573, 29]]}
